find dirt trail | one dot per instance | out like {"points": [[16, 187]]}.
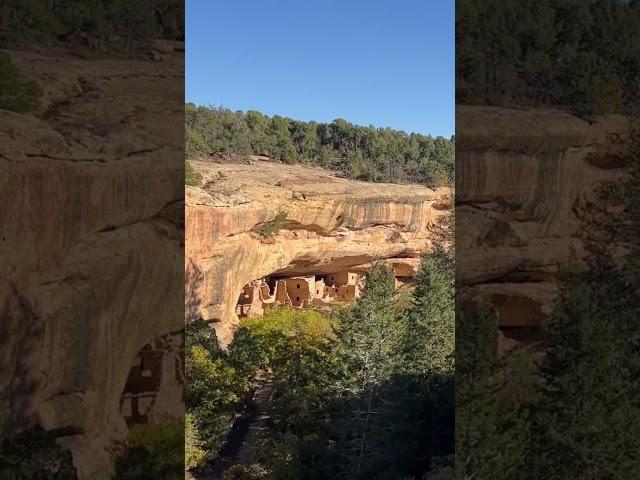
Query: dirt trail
{"points": [[263, 401], [245, 430]]}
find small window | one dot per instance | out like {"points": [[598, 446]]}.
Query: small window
{"points": [[298, 285], [297, 299]]}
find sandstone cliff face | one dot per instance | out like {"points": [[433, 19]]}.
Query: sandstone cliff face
{"points": [[332, 223], [528, 187], [91, 244]]}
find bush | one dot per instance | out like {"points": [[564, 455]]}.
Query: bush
{"points": [[194, 455], [153, 451], [34, 454], [260, 341], [244, 472], [16, 94], [214, 393], [273, 227], [290, 321], [191, 176]]}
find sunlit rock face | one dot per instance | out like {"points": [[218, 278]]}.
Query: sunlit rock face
{"points": [[529, 188], [91, 245], [332, 224]]}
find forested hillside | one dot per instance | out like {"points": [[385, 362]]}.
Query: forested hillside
{"points": [[365, 153], [577, 53], [101, 24]]}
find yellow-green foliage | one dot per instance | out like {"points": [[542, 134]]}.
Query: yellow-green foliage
{"points": [[214, 391], [164, 441], [244, 472], [290, 322], [209, 381], [153, 451], [261, 342], [194, 454]]}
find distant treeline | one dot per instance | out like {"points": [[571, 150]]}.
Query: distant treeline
{"points": [[102, 24], [365, 153], [579, 53]]}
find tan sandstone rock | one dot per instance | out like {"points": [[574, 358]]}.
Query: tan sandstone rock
{"points": [[527, 189], [91, 242], [332, 224]]}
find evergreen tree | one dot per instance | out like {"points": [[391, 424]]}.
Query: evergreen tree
{"points": [[493, 428], [430, 344], [590, 408], [370, 338], [431, 332]]}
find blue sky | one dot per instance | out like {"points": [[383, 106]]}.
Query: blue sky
{"points": [[389, 63]]}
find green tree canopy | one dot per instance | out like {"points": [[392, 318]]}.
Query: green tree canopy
{"points": [[363, 153]]}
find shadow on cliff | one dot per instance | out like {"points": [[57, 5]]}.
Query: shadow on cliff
{"points": [[192, 283], [21, 334], [26, 450]]}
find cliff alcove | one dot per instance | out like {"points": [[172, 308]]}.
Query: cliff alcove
{"points": [[336, 225]]}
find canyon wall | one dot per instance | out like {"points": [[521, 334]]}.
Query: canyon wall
{"points": [[332, 224], [529, 187], [91, 263]]}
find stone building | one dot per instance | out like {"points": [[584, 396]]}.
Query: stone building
{"points": [[154, 389], [345, 286], [296, 291], [255, 297], [299, 292], [343, 278]]}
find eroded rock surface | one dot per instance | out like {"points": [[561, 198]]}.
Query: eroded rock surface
{"points": [[529, 185], [332, 224], [91, 243]]}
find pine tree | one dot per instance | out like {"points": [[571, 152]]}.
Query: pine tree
{"points": [[430, 344], [492, 428], [370, 338], [431, 333]]}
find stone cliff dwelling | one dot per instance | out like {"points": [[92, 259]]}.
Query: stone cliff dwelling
{"points": [[299, 292], [158, 367]]}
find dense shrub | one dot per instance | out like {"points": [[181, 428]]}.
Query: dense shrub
{"points": [[195, 455], [16, 93], [272, 228], [153, 452], [215, 389], [34, 454]]}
